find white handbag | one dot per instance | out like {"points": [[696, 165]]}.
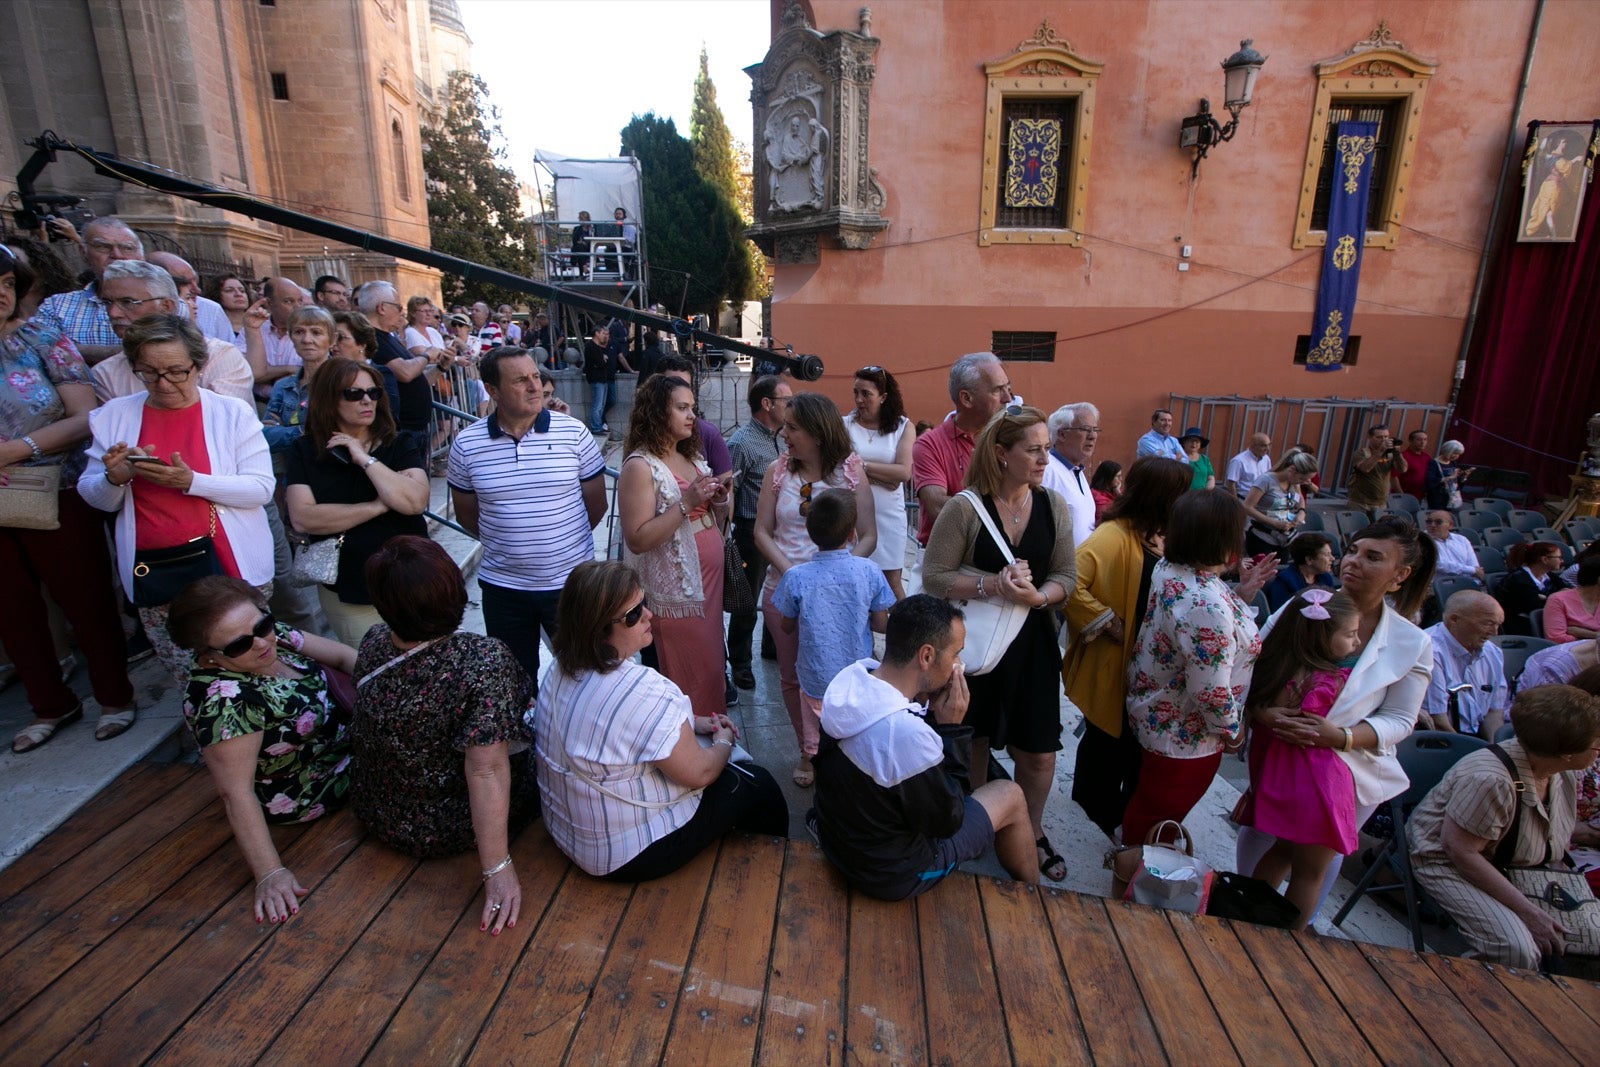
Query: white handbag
{"points": [[991, 624]]}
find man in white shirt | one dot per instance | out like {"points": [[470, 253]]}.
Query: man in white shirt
{"points": [[1159, 440], [1455, 553], [283, 298], [132, 289], [1247, 466], [529, 484], [202, 311], [1467, 690], [1074, 432], [508, 325]]}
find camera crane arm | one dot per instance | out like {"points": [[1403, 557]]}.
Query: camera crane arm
{"points": [[47, 145]]}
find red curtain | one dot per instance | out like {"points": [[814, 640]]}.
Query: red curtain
{"points": [[1533, 368]]}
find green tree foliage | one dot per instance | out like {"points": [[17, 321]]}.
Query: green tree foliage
{"points": [[472, 197], [690, 225], [713, 144]]}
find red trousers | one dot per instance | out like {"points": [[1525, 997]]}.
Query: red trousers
{"points": [[1168, 789], [74, 564]]}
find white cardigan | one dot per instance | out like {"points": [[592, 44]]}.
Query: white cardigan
{"points": [[239, 484], [1384, 690]]}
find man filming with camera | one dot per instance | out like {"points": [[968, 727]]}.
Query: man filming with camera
{"points": [[1373, 469]]}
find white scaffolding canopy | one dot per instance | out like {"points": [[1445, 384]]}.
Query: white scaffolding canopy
{"points": [[598, 186]]}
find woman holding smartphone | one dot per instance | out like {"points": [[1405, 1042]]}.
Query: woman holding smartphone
{"points": [[350, 476]]}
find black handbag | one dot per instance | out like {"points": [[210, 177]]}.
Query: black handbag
{"points": [[160, 574], [737, 597], [1251, 900]]}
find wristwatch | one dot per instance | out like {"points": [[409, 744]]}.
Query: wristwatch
{"points": [[370, 461]]}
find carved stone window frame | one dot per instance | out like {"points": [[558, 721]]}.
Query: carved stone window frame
{"points": [[1377, 68], [1042, 66]]}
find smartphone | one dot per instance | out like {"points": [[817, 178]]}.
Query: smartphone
{"points": [[340, 453], [157, 460]]}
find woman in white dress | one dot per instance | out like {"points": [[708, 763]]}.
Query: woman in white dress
{"points": [[881, 435]]}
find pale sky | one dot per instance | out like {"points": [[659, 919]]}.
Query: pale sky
{"points": [[567, 75]]}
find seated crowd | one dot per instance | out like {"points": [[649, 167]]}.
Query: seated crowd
{"points": [[339, 673]]}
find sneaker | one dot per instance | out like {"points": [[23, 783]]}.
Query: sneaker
{"points": [[139, 648], [744, 677], [811, 825], [730, 695]]}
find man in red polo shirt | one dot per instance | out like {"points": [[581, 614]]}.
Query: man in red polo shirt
{"points": [[979, 388], [1416, 456]]}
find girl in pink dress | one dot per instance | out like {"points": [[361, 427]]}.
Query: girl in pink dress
{"points": [[1303, 796]]}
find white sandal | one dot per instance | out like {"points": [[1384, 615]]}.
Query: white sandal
{"points": [[39, 731], [115, 723]]}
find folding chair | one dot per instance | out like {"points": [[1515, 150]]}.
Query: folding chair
{"points": [[1495, 504], [1503, 537], [1475, 537], [1516, 650], [1477, 519], [1426, 756], [1404, 502], [1490, 558], [1447, 585], [1536, 621], [1492, 580], [1529, 522], [1350, 523], [1313, 521]]}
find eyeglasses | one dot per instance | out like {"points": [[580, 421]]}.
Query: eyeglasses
{"points": [[128, 303], [632, 616], [243, 643], [175, 375], [805, 499], [354, 395], [106, 248]]}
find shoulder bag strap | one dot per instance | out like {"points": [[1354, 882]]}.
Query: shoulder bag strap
{"points": [[567, 767], [988, 524], [1508, 844], [401, 658]]}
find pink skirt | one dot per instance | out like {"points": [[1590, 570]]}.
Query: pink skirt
{"points": [[690, 650], [1303, 795]]}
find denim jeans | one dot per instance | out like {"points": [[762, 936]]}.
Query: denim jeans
{"points": [[598, 392], [514, 616]]}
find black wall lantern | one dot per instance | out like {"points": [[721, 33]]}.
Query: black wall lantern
{"points": [[1200, 131]]}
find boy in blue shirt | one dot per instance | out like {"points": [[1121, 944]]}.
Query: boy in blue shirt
{"points": [[836, 600]]}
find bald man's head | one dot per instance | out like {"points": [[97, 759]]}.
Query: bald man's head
{"points": [[1472, 617], [183, 275]]}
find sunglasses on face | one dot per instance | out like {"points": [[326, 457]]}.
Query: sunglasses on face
{"points": [[353, 395], [243, 643], [632, 616]]}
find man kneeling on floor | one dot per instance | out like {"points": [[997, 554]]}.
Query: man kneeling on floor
{"points": [[891, 811]]}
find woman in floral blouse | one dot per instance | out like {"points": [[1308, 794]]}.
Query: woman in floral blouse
{"points": [[1192, 660], [441, 750], [262, 711]]}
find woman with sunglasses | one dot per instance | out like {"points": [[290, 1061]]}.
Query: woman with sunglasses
{"points": [[45, 398], [627, 789], [819, 458], [351, 476], [670, 505], [178, 464], [260, 707], [881, 435]]}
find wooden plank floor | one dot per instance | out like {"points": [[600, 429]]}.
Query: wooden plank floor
{"points": [[126, 937]]}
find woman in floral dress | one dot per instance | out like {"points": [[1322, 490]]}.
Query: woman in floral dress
{"points": [[262, 712], [1192, 660], [441, 750]]}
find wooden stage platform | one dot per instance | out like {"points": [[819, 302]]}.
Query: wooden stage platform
{"points": [[126, 937]]}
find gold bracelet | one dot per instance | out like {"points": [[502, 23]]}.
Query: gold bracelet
{"points": [[1349, 739]]}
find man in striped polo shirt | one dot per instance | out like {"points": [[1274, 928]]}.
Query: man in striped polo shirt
{"points": [[526, 482]]}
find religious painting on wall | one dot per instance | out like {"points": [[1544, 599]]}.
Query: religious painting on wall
{"points": [[1033, 155], [1556, 169]]}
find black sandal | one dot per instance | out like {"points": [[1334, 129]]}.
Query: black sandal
{"points": [[1052, 861]]}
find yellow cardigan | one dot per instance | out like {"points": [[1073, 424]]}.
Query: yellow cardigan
{"points": [[1096, 671]]}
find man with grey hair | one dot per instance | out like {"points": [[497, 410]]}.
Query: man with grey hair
{"points": [[1454, 553], [133, 289], [978, 388], [1074, 432], [1467, 692], [380, 304], [79, 314], [202, 311]]}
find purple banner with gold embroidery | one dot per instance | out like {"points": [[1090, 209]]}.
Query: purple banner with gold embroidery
{"points": [[1033, 156], [1354, 143]]}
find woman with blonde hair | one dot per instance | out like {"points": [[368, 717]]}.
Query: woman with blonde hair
{"points": [[1017, 705]]}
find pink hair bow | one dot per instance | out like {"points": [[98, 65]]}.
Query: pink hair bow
{"points": [[1315, 599]]}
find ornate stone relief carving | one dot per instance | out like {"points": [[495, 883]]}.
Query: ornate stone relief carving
{"points": [[810, 97]]}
